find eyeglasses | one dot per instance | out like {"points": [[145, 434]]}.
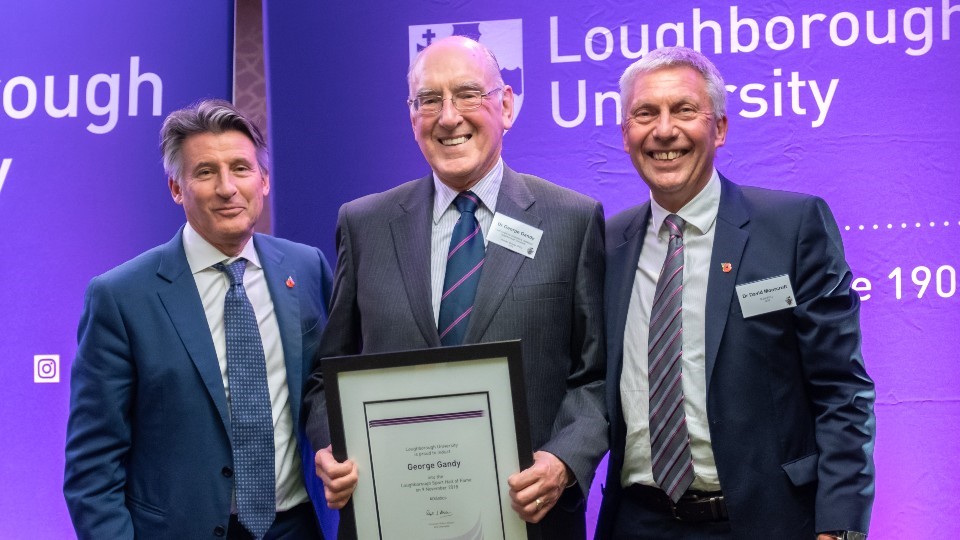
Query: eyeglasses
{"points": [[467, 100]]}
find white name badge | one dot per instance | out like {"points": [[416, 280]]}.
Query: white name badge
{"points": [[766, 295], [514, 235]]}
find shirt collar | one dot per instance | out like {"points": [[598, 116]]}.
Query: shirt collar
{"points": [[486, 190], [700, 212], [202, 255]]}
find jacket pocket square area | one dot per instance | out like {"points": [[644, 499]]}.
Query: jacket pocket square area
{"points": [[541, 291]]}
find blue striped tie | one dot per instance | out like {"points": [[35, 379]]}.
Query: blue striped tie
{"points": [[464, 263], [669, 439], [251, 418]]}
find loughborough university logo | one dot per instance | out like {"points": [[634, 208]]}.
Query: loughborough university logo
{"points": [[504, 38]]}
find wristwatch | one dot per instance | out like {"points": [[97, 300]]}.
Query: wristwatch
{"points": [[848, 535]]}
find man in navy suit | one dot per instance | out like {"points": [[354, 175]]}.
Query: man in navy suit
{"points": [[765, 427], [152, 439], [391, 263]]}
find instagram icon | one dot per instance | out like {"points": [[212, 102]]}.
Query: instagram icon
{"points": [[46, 368]]}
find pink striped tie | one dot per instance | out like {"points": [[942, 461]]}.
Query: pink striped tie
{"points": [[669, 439], [464, 263]]}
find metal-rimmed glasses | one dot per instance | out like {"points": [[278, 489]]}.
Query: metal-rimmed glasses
{"points": [[467, 100]]}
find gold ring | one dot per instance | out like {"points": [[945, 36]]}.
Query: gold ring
{"points": [[539, 504]]}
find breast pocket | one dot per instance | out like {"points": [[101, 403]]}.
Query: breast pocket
{"points": [[540, 291]]}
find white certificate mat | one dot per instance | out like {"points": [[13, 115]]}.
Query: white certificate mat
{"points": [[439, 460], [435, 434]]}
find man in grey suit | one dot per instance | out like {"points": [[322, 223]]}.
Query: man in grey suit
{"points": [[185, 394], [389, 283]]}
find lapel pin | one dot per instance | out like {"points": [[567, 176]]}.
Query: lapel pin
{"points": [[726, 267], [290, 282]]}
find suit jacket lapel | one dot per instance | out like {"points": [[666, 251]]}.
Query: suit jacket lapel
{"points": [[182, 302], [411, 238], [729, 241], [621, 273], [622, 260], [286, 306], [501, 265]]}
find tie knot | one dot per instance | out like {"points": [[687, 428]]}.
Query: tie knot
{"points": [[234, 270], [675, 225], [466, 201]]}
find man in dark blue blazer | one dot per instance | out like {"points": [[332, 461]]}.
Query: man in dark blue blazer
{"points": [[151, 452], [773, 427]]}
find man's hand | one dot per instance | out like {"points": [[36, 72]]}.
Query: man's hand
{"points": [[339, 479], [534, 491]]}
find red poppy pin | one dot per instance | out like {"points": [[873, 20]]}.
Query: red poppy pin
{"points": [[290, 282], [726, 267]]}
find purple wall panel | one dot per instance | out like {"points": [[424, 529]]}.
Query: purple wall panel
{"points": [[882, 150], [74, 202], [80, 194]]}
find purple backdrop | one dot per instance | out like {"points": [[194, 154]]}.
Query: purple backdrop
{"points": [[853, 101], [82, 190]]}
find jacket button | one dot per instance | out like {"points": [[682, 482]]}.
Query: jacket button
{"points": [[219, 531], [226, 471]]}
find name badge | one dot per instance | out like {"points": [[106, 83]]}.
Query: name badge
{"points": [[766, 295], [514, 235]]}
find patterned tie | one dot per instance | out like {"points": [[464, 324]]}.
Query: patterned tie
{"points": [[251, 417], [464, 263], [669, 439]]}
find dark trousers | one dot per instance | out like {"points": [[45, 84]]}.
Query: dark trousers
{"points": [[297, 523], [635, 521], [563, 524]]}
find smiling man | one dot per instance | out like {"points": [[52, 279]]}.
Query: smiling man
{"points": [[186, 391], [417, 268], [739, 403]]}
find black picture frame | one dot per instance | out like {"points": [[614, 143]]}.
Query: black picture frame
{"points": [[485, 373]]}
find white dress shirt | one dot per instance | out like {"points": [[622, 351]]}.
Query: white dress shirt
{"points": [[213, 285], [700, 215], [445, 216]]}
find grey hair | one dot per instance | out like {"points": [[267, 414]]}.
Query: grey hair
{"points": [[206, 116], [492, 64], [672, 57]]}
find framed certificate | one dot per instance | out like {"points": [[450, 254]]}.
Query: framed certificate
{"points": [[435, 433]]}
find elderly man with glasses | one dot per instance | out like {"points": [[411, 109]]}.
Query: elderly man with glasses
{"points": [[398, 287]]}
